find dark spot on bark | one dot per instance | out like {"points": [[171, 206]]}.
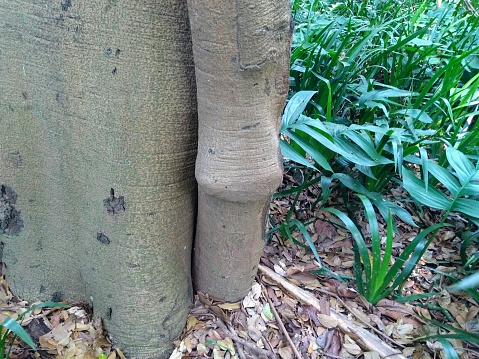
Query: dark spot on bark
{"points": [[267, 88], [100, 237], [66, 4], [113, 71], [133, 265], [109, 51], [224, 226], [249, 127], [10, 107], [109, 296], [39, 246], [93, 269], [224, 277], [57, 96], [256, 84], [25, 95], [57, 297], [59, 20], [151, 214], [15, 159], [42, 289], [109, 313], [110, 4], [129, 234], [114, 205], [211, 151], [117, 52], [162, 299], [10, 222]]}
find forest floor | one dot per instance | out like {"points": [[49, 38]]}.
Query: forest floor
{"points": [[290, 313]]}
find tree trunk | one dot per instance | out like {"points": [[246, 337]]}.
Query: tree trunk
{"points": [[241, 50], [99, 136]]}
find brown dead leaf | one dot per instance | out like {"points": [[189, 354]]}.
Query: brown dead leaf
{"points": [[334, 346], [220, 313], [228, 344], [327, 321], [230, 306], [311, 313], [285, 353], [325, 229], [190, 322]]}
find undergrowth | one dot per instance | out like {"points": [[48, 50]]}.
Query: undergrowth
{"points": [[386, 97]]}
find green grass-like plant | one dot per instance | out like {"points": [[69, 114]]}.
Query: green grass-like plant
{"points": [[12, 326], [375, 276]]}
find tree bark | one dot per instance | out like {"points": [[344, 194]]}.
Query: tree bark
{"points": [[99, 137], [241, 50]]}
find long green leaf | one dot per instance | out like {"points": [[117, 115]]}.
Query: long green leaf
{"points": [[308, 239], [360, 243], [293, 155], [470, 282], [432, 197], [311, 150], [296, 106], [465, 171], [449, 350], [12, 325]]}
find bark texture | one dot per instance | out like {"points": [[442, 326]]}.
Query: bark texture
{"points": [[241, 50], [97, 149]]}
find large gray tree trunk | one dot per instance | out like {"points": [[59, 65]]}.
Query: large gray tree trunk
{"points": [[97, 148]]}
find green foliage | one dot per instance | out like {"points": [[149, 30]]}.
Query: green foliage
{"points": [[11, 325], [386, 97], [379, 93], [374, 275], [381, 85], [462, 182]]}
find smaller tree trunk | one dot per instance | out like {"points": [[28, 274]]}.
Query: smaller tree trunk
{"points": [[241, 50]]}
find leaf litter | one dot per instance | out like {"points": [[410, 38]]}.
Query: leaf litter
{"points": [[275, 322]]}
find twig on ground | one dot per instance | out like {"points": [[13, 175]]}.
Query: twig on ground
{"points": [[281, 325], [322, 352], [239, 348], [370, 341], [267, 343], [253, 347], [378, 332]]}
